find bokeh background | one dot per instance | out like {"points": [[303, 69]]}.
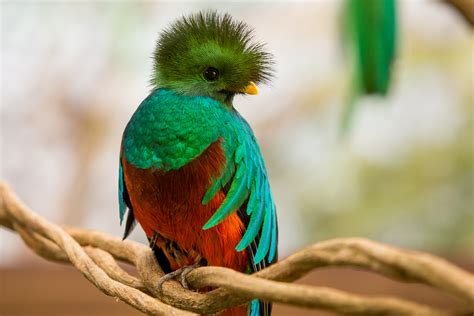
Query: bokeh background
{"points": [[72, 74]]}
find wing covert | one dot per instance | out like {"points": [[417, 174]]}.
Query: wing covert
{"points": [[245, 172]]}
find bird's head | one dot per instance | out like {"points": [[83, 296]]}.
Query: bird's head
{"points": [[208, 54]]}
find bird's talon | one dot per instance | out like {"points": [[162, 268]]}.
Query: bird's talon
{"points": [[184, 283], [182, 273], [167, 277]]}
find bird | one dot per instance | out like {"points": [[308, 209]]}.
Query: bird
{"points": [[191, 172]]}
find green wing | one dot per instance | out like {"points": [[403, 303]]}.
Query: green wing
{"points": [[246, 173], [169, 130]]}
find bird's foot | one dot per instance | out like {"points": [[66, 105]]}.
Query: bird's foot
{"points": [[182, 273]]}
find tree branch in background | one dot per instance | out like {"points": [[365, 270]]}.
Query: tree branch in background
{"points": [[465, 7], [94, 254]]}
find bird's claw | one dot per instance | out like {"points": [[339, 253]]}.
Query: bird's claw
{"points": [[182, 273]]}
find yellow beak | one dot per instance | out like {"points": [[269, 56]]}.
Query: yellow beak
{"points": [[251, 88]]}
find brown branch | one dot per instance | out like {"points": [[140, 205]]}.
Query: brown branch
{"points": [[22, 216], [303, 295], [95, 254], [465, 8]]}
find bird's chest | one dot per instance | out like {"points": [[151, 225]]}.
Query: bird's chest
{"points": [[170, 202], [168, 132]]}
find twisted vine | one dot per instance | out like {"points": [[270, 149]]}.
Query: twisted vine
{"points": [[95, 255]]}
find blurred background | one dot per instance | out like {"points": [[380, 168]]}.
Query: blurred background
{"points": [[72, 74]]}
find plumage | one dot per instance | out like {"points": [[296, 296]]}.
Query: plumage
{"points": [[372, 30], [370, 35], [191, 172]]}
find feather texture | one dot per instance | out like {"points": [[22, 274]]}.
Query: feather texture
{"points": [[191, 171], [249, 182], [168, 144], [371, 30]]}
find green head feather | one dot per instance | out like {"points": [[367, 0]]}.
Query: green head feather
{"points": [[208, 54]]}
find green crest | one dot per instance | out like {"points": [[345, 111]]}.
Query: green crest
{"points": [[208, 54]]}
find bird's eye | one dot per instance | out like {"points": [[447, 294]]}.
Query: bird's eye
{"points": [[211, 74]]}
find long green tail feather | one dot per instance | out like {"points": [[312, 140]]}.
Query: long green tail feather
{"points": [[370, 33]]}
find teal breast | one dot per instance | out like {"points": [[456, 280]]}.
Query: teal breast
{"points": [[169, 130]]}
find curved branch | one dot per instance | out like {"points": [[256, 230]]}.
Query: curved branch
{"points": [[465, 8], [95, 254], [78, 257], [303, 295]]}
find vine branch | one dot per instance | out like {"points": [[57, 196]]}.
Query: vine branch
{"points": [[95, 255]]}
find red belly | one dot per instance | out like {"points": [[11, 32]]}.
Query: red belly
{"points": [[169, 203]]}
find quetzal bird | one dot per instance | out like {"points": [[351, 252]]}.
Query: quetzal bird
{"points": [[191, 172]]}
